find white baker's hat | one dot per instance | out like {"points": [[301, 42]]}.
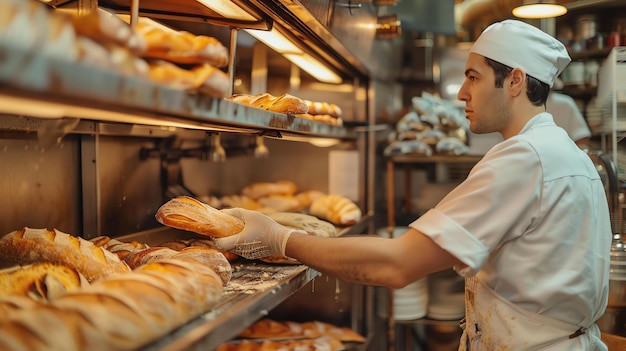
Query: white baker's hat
{"points": [[521, 45]]}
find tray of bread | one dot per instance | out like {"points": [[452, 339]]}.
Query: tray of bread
{"points": [[66, 292], [166, 288], [56, 64]]}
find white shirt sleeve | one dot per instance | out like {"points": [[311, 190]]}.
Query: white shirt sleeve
{"points": [[491, 207]]}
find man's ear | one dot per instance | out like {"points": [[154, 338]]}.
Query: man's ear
{"points": [[517, 81]]}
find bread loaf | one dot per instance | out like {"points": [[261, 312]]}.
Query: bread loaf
{"points": [[269, 328], [181, 244], [28, 245], [181, 46], [328, 119], [306, 198], [319, 344], [336, 209], [241, 201], [187, 213], [106, 28], [285, 103], [310, 224], [323, 108], [122, 312], [280, 203], [40, 281], [121, 249], [204, 77], [261, 189]]}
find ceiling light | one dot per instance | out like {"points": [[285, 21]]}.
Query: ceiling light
{"points": [[228, 9], [539, 9], [281, 44]]}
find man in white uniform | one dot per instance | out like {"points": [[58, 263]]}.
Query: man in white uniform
{"points": [[529, 228]]}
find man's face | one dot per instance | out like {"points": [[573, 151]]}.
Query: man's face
{"points": [[485, 105]]}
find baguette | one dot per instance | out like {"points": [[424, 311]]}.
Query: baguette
{"points": [[285, 103], [121, 249], [261, 189], [181, 244], [323, 108], [336, 209], [189, 214], [181, 47], [28, 245], [41, 281], [122, 312], [269, 328]]}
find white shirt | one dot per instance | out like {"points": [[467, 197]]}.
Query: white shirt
{"points": [[532, 221], [567, 115]]}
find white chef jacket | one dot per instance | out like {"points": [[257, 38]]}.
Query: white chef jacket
{"points": [[532, 221], [567, 115]]}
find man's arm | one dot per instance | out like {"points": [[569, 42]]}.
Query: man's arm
{"points": [[372, 260]]}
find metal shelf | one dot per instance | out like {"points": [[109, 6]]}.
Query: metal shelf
{"points": [[35, 85], [254, 289]]}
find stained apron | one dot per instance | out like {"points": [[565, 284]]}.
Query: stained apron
{"points": [[493, 323]]}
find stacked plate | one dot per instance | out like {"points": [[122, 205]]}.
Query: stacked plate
{"points": [[411, 302], [447, 296]]}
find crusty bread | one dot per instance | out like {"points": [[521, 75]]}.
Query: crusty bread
{"points": [[203, 77], [306, 198], [323, 108], [280, 203], [241, 201], [310, 224], [285, 103], [187, 213], [323, 343], [181, 244], [40, 281], [336, 209], [28, 245], [261, 189], [121, 249], [122, 312], [269, 328], [181, 47]]}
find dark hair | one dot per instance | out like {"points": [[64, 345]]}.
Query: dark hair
{"points": [[536, 90]]}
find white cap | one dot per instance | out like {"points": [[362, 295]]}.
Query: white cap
{"points": [[521, 45]]}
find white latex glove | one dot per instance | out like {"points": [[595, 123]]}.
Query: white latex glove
{"points": [[260, 237]]}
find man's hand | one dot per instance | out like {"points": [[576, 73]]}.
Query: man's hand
{"points": [[261, 236]]}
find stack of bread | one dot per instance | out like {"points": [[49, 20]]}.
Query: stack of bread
{"points": [[268, 334], [184, 60], [317, 111], [97, 301], [323, 112], [287, 104]]}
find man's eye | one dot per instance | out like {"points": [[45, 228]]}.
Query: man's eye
{"points": [[471, 78]]}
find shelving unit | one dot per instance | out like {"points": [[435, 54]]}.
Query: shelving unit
{"points": [[37, 91], [612, 97]]}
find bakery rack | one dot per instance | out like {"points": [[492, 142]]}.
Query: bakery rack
{"points": [[254, 289]]}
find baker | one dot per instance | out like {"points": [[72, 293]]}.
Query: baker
{"points": [[529, 228]]}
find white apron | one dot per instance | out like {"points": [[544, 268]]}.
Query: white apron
{"points": [[492, 323]]}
